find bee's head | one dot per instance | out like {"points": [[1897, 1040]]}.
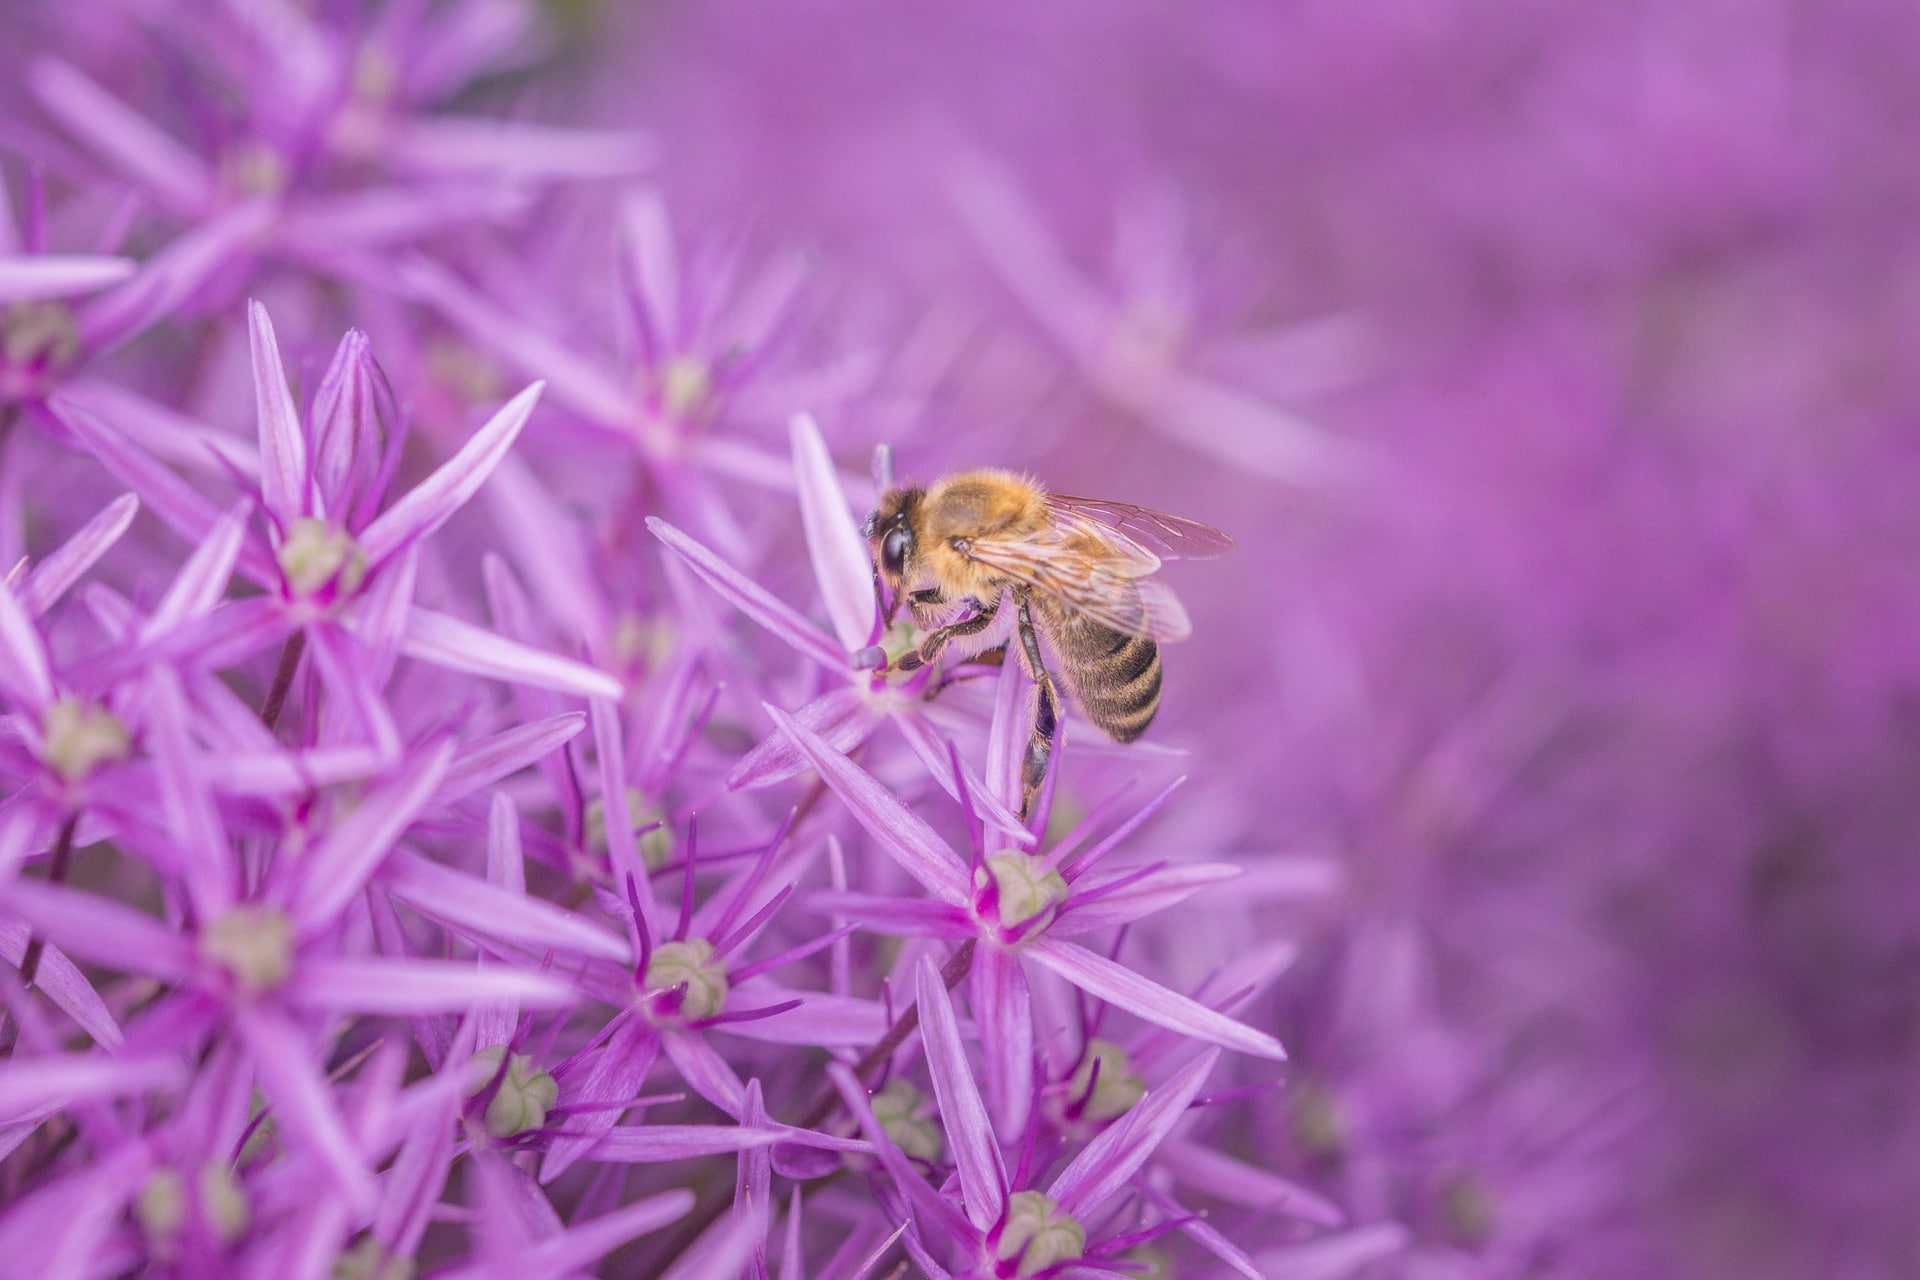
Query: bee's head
{"points": [[889, 531]]}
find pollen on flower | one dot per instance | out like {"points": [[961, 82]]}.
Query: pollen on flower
{"points": [[317, 554], [1019, 892], [79, 736], [526, 1093], [687, 963], [1035, 1235], [252, 944]]}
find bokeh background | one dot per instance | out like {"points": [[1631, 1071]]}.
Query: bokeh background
{"points": [[1554, 365]]}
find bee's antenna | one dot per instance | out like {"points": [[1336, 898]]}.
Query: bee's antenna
{"points": [[883, 467]]}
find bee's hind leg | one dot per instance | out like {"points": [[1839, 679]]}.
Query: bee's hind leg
{"points": [[1046, 716]]}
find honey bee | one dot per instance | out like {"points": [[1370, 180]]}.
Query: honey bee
{"points": [[1076, 572]]}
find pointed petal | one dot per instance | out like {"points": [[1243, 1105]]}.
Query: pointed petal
{"points": [[1089, 908], [932, 749], [574, 1250], [1237, 1182], [122, 136], [51, 275], [338, 868], [1147, 999], [283, 449], [976, 1156], [103, 931], [24, 675], [706, 1071], [612, 1073], [898, 917], [654, 262], [175, 502], [516, 149], [58, 571], [1117, 1152], [823, 1020], [898, 830], [577, 382], [487, 761], [203, 579], [168, 280], [472, 906], [651, 1143], [749, 598], [842, 564], [434, 500], [403, 987], [63, 984], [460, 646], [623, 848], [1003, 1011], [33, 1087], [302, 1104], [843, 718]]}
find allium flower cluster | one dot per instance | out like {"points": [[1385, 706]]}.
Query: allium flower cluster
{"points": [[463, 807]]}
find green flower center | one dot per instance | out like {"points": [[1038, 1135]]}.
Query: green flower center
{"points": [[253, 944], [525, 1095], [1019, 892], [685, 386], [1035, 1235], [163, 1204], [688, 964], [316, 554], [79, 736]]}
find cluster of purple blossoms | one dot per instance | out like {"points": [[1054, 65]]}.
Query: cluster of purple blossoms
{"points": [[461, 812]]}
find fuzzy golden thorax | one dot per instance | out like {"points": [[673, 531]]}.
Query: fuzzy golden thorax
{"points": [[920, 535]]}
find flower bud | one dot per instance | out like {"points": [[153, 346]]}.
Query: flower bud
{"points": [[525, 1095], [1105, 1084], [907, 1118], [656, 844], [1036, 1233]]}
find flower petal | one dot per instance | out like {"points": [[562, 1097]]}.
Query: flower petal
{"points": [[898, 830], [434, 500], [63, 984], [842, 564], [650, 1143], [976, 1156], [122, 136], [63, 567], [39, 1085], [103, 931], [843, 717], [1003, 1012], [1117, 1152], [749, 598], [1136, 892], [283, 449], [302, 1104], [337, 868], [485, 762], [418, 986], [472, 906], [52, 275], [1147, 999], [24, 674], [460, 646]]}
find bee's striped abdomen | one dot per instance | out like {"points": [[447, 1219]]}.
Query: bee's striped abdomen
{"points": [[1115, 677]]}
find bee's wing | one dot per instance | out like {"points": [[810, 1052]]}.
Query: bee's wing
{"points": [[1109, 587], [1162, 536]]}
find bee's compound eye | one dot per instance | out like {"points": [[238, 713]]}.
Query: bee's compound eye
{"points": [[893, 551]]}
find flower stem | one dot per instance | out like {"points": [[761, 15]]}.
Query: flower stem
{"points": [[56, 872], [290, 655], [953, 973]]}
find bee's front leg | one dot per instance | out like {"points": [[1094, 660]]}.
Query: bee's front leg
{"points": [[931, 647]]}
